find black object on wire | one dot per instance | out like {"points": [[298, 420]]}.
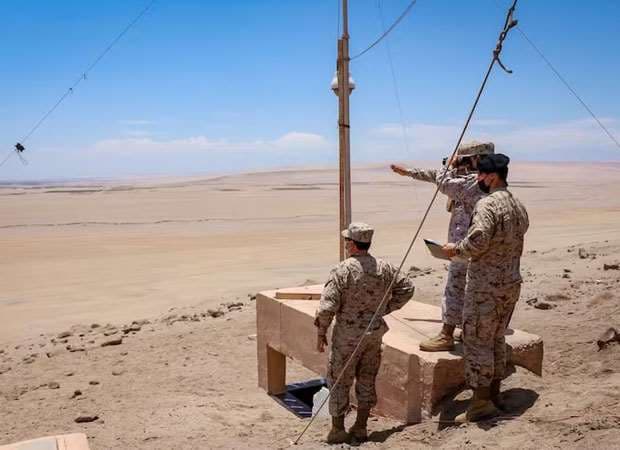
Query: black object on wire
{"points": [[508, 25], [565, 83], [386, 32], [19, 147]]}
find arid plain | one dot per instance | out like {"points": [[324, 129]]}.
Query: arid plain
{"points": [[86, 257]]}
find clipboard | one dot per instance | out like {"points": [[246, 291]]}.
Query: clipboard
{"points": [[436, 249]]}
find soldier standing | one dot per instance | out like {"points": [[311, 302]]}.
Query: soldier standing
{"points": [[458, 181], [494, 244], [352, 294]]}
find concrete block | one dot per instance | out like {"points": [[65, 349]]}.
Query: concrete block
{"points": [[298, 334], [268, 337], [75, 441], [410, 382]]}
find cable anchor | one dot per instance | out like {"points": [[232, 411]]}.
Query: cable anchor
{"points": [[509, 24]]}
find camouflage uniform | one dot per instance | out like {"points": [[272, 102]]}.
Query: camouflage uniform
{"points": [[352, 293], [494, 243], [463, 193]]}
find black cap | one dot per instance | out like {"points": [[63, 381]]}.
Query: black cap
{"points": [[497, 163]]}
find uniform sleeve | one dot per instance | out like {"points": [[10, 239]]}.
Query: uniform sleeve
{"points": [[480, 231], [330, 301], [453, 184], [428, 175], [402, 291]]}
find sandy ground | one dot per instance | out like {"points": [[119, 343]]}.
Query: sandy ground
{"points": [[171, 253]]}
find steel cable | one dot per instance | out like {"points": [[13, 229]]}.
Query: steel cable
{"points": [[83, 76], [386, 32]]}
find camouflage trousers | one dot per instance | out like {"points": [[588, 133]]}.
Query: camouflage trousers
{"points": [[486, 316], [454, 294], [363, 369]]}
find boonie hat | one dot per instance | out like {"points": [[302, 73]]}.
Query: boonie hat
{"points": [[359, 232], [474, 148]]}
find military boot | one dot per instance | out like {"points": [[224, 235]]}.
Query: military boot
{"points": [[337, 435], [440, 343], [496, 395], [458, 335], [359, 430], [480, 408]]}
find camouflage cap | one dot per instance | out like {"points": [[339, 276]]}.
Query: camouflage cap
{"points": [[474, 148], [359, 232]]}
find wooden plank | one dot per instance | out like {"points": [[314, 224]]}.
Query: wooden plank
{"points": [[300, 293]]}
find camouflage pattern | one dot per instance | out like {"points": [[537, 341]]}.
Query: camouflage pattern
{"points": [[363, 369], [485, 319], [494, 244], [359, 232], [352, 294], [454, 294], [475, 148], [463, 192]]}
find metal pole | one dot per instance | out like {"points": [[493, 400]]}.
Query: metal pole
{"points": [[343, 126]]}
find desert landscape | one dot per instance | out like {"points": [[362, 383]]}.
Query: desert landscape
{"points": [[127, 307]]}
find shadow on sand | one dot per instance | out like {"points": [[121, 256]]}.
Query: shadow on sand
{"points": [[381, 436], [516, 402]]}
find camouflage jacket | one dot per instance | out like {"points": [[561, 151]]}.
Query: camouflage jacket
{"points": [[494, 242], [353, 293], [461, 189]]}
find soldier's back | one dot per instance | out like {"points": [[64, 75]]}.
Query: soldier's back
{"points": [[502, 259], [366, 279]]}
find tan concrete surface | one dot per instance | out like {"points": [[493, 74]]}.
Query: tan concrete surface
{"points": [[75, 441], [410, 382]]}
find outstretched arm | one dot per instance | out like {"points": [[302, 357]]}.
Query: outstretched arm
{"points": [[428, 175]]}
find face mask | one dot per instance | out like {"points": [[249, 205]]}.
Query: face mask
{"points": [[483, 187]]}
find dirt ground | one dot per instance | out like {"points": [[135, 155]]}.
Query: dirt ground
{"points": [[172, 269]]}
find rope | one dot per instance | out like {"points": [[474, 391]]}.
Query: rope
{"points": [[569, 87], [508, 25], [83, 76], [394, 82], [388, 31], [565, 83]]}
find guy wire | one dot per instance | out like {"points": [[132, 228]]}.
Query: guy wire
{"points": [[83, 76]]}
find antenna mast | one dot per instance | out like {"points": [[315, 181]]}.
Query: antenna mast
{"points": [[343, 87]]}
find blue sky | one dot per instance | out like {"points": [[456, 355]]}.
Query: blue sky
{"points": [[213, 86]]}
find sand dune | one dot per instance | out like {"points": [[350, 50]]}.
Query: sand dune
{"points": [[169, 251]]}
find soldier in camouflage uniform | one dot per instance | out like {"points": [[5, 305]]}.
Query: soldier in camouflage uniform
{"points": [[494, 244], [457, 180], [352, 294]]}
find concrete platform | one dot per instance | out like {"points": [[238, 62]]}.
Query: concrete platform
{"points": [[75, 441], [410, 382]]}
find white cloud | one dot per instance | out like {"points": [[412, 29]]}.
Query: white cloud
{"points": [[136, 122], [298, 140], [574, 139], [289, 142]]}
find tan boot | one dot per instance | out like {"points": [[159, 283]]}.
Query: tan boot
{"points": [[337, 435], [480, 408], [440, 343], [359, 430], [496, 395], [458, 335]]}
